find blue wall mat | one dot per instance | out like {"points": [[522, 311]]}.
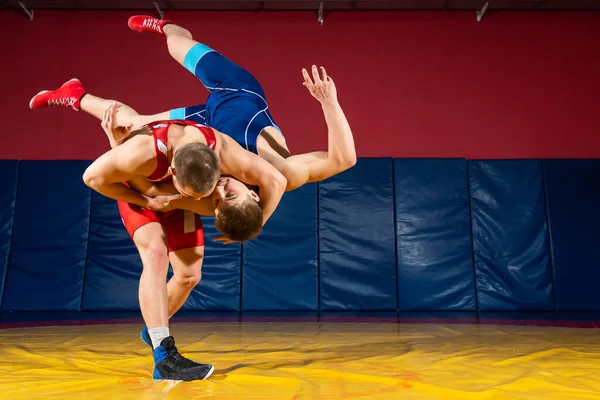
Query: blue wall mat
{"points": [[433, 231], [510, 235], [9, 170], [113, 264], [573, 197], [219, 288], [280, 266], [356, 238], [50, 236]]}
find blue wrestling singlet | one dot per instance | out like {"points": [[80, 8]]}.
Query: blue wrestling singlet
{"points": [[237, 104]]}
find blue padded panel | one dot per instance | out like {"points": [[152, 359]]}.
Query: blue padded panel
{"points": [[510, 235], [356, 238], [433, 231], [219, 288], [9, 170], [573, 198], [50, 236], [113, 265], [280, 266]]}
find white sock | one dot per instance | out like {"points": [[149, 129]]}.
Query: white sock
{"points": [[158, 334]]}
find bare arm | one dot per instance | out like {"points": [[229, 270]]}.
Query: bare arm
{"points": [[253, 170], [203, 206], [341, 153], [118, 165], [152, 189]]}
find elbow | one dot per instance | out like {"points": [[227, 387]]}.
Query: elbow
{"points": [[350, 161], [345, 163], [92, 179]]}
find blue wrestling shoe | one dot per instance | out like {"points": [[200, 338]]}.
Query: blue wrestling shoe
{"points": [[145, 335], [169, 364]]}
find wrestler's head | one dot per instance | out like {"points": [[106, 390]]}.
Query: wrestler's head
{"points": [[238, 211], [196, 170]]}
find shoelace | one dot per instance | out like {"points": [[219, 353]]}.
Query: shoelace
{"points": [[63, 101], [152, 23]]}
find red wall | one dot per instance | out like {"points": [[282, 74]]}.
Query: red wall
{"points": [[515, 85]]}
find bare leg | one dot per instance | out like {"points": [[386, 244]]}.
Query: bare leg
{"points": [[151, 242], [187, 269], [179, 41], [96, 106]]}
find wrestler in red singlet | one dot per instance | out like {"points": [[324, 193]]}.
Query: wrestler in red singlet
{"points": [[183, 228]]}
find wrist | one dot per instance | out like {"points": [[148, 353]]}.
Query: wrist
{"points": [[330, 105], [145, 201]]}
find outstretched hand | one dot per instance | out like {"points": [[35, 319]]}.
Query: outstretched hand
{"points": [[116, 133], [321, 86]]}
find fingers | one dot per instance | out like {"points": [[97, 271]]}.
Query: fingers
{"points": [[307, 80], [223, 239], [175, 197], [315, 73], [104, 118], [111, 116], [319, 75]]}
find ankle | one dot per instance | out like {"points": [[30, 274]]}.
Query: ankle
{"points": [[170, 29], [157, 335]]}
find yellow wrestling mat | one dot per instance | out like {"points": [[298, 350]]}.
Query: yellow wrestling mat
{"points": [[307, 360]]}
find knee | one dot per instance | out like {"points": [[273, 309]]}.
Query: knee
{"points": [[155, 257], [189, 279]]}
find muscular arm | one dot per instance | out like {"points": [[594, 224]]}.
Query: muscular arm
{"points": [[203, 206], [118, 165], [152, 189], [316, 166], [253, 170], [341, 153]]}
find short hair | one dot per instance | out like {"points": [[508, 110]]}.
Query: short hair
{"points": [[240, 222], [197, 166]]}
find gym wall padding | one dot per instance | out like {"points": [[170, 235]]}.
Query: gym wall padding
{"points": [[357, 253], [50, 236], [384, 235], [9, 171], [573, 197], [510, 235], [280, 267], [433, 231], [113, 263], [219, 288]]}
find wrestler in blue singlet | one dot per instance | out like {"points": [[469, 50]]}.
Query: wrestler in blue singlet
{"points": [[237, 104]]}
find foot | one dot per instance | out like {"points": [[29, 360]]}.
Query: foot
{"points": [[68, 95], [145, 23], [169, 364], [146, 337]]}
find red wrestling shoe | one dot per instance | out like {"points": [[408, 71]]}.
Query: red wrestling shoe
{"points": [[145, 23], [68, 95]]}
